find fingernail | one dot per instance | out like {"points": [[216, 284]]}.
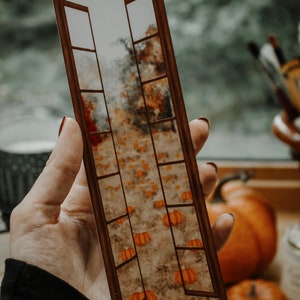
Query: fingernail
{"points": [[213, 164], [62, 125], [232, 215], [205, 120]]}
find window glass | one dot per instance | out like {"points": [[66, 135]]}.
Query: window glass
{"points": [[219, 76]]}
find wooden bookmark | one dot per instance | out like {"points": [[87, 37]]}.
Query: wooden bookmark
{"points": [[144, 183]]}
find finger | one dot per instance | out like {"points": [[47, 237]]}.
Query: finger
{"points": [[54, 183], [222, 229], [208, 177], [199, 129]]}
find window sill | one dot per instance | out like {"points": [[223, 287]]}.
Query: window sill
{"points": [[279, 181]]}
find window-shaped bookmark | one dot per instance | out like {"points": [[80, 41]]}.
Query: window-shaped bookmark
{"points": [[144, 183]]}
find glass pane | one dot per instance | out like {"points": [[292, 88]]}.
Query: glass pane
{"points": [[142, 18], [150, 58], [103, 153], [95, 112], [112, 197], [87, 70], [184, 226], [79, 28], [130, 279], [194, 271], [158, 100], [121, 240], [176, 184], [166, 133]]}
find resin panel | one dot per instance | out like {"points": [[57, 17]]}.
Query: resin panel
{"points": [[141, 167]]}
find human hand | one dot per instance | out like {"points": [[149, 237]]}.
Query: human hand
{"points": [[53, 227]]}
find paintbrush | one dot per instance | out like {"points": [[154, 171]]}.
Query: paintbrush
{"points": [[281, 95], [264, 64], [277, 49]]}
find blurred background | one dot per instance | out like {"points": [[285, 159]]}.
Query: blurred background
{"points": [[219, 77]]}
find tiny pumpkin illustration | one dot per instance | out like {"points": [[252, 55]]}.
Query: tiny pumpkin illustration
{"points": [[186, 196], [258, 289], [159, 204], [195, 243], [188, 275], [148, 294], [126, 254], [176, 218], [142, 238], [252, 243]]}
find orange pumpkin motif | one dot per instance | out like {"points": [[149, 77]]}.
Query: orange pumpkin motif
{"points": [[176, 218], [189, 276], [139, 174], [186, 196], [149, 295], [142, 238], [195, 243], [148, 194], [127, 254], [159, 204]]}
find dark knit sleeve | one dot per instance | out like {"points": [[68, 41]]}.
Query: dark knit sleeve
{"points": [[22, 281]]}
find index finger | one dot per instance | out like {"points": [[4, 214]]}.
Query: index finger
{"points": [[199, 129], [55, 181]]}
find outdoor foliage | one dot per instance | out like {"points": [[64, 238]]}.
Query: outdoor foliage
{"points": [[219, 77]]}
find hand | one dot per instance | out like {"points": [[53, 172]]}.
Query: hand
{"points": [[53, 227]]}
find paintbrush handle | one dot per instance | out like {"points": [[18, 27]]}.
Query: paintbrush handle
{"points": [[286, 104]]}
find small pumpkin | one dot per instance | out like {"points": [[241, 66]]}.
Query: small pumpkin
{"points": [[126, 254], [148, 294], [159, 204], [258, 289], [252, 243], [189, 276], [176, 218], [186, 196], [142, 238], [195, 243]]}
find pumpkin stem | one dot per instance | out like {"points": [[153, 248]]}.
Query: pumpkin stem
{"points": [[243, 175], [252, 293]]}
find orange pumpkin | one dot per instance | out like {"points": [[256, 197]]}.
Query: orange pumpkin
{"points": [[159, 204], [186, 196], [258, 289], [252, 243], [142, 238], [149, 295], [189, 276], [195, 243], [176, 218], [127, 254]]}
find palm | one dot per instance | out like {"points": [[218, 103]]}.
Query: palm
{"points": [[54, 228], [70, 242]]}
